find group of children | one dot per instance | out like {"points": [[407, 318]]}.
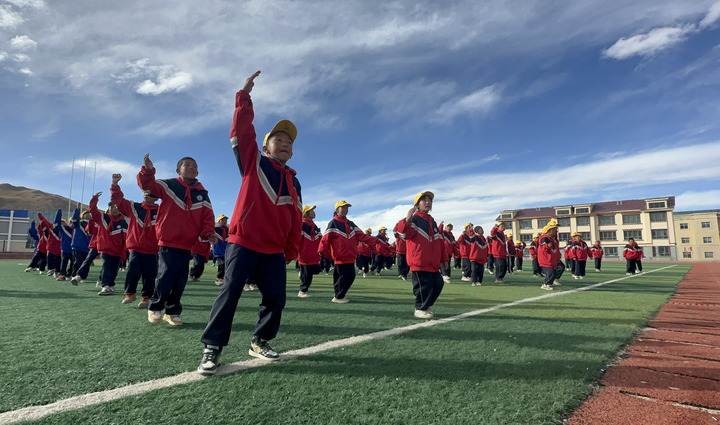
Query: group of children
{"points": [[269, 228]]}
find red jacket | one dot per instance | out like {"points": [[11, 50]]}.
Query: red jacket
{"points": [[597, 251], [92, 230], [511, 247], [639, 253], [382, 247], [141, 235], [581, 251], [400, 246], [426, 246], [54, 242], [268, 211], [533, 250], [201, 248], [310, 243], [629, 252], [42, 235], [449, 242], [341, 239], [568, 250], [548, 251], [499, 246], [111, 231], [478, 249], [364, 249], [185, 213]]}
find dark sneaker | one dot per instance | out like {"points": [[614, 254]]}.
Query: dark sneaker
{"points": [[210, 360], [261, 349]]}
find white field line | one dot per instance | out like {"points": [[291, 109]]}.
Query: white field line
{"points": [[85, 400]]}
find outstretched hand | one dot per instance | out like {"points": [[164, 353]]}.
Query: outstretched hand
{"points": [[250, 82], [116, 178], [147, 163], [410, 213]]}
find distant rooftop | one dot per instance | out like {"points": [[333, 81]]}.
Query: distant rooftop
{"points": [[697, 212], [595, 208]]}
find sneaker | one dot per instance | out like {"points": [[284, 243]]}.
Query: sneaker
{"points": [[446, 279], [424, 314], [253, 287], [246, 287], [477, 284], [128, 299], [628, 274], [546, 287], [300, 275], [61, 277], [107, 290], [51, 272], [41, 272], [75, 280], [218, 282], [597, 270], [302, 294], [465, 279], [576, 277], [210, 360], [261, 349], [29, 269], [556, 283], [364, 274], [173, 319], [340, 300], [403, 278], [98, 284], [144, 301], [582, 277], [155, 316]]}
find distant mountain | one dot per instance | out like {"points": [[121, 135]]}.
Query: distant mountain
{"points": [[22, 198]]}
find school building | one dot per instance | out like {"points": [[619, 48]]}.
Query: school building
{"points": [[651, 222], [698, 234]]}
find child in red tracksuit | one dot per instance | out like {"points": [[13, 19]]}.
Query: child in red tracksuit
{"points": [[533, 251], [141, 242], [309, 259], [265, 233], [185, 215], [499, 250], [639, 254], [365, 254], [630, 254], [54, 244], [581, 252], [597, 253], [426, 254], [519, 253], [464, 245], [112, 229], [478, 255], [401, 252], [511, 253], [446, 231], [549, 256], [340, 243]]}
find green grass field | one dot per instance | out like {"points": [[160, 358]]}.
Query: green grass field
{"points": [[528, 364]]}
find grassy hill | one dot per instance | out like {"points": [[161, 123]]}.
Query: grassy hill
{"points": [[22, 198]]}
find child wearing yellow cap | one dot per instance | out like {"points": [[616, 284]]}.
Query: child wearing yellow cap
{"points": [[308, 259], [220, 247]]}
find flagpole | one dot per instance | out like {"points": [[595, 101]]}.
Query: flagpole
{"points": [[82, 195], [72, 173]]}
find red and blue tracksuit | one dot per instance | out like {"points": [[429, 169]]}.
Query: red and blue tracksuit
{"points": [[110, 241], [309, 259]]}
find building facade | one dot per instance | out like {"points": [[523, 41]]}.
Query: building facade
{"points": [[698, 234], [649, 221]]}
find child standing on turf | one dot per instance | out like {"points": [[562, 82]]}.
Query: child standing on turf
{"points": [[549, 256], [478, 255], [499, 249], [112, 229], [426, 254], [464, 244], [533, 251], [365, 253], [630, 254], [141, 242], [265, 233], [309, 259], [185, 215], [519, 253], [597, 253], [581, 252], [220, 247], [401, 252]]}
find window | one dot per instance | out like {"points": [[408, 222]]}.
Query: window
{"points": [[564, 222], [542, 222], [564, 236], [526, 237], [659, 234], [658, 216], [583, 221], [608, 235], [705, 224], [661, 251], [687, 254], [525, 224], [685, 240], [585, 236], [707, 239], [611, 251], [563, 212], [631, 219], [709, 255], [508, 224], [683, 226], [606, 219], [506, 216], [635, 234], [656, 204], [583, 210]]}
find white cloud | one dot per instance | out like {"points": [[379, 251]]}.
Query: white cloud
{"points": [[693, 200], [480, 102], [9, 18], [176, 82], [647, 44], [25, 71], [21, 57], [3, 56], [712, 16], [23, 43]]}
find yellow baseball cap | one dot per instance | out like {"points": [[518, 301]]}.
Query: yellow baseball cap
{"points": [[368, 230], [382, 228], [420, 196], [221, 216], [501, 223], [342, 203], [286, 126], [307, 208], [509, 234], [551, 225], [536, 235], [518, 241], [467, 225]]}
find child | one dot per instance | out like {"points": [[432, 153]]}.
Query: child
{"points": [[141, 241], [426, 254], [630, 254], [80, 240], [200, 253], [382, 251], [639, 254], [581, 252], [464, 245], [91, 230], [365, 253], [54, 243], [519, 253], [66, 258], [112, 228], [39, 255], [401, 252], [533, 251], [220, 247], [568, 252], [446, 232], [309, 259], [340, 243], [549, 256], [500, 253], [478, 255], [511, 253], [597, 253], [265, 233], [184, 216]]}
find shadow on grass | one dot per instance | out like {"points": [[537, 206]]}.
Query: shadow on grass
{"points": [[34, 294]]}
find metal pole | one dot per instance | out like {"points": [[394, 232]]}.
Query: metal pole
{"points": [[72, 174], [94, 174], [82, 195]]}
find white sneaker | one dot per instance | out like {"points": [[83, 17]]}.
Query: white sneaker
{"points": [[253, 287], [576, 277], [364, 274], [546, 287], [107, 290], [446, 279], [246, 287], [75, 280], [424, 314], [302, 294], [556, 283], [155, 316], [299, 275], [465, 279], [340, 300], [403, 278], [582, 277], [98, 284]]}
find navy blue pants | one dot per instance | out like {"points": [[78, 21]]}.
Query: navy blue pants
{"points": [[378, 264], [403, 268], [66, 263], [427, 287], [38, 261], [306, 275], [363, 263], [78, 260], [491, 263], [143, 266], [552, 274], [109, 271], [466, 268], [220, 266], [268, 273], [343, 278], [501, 267], [173, 265], [85, 266], [476, 272], [53, 262], [198, 267]]}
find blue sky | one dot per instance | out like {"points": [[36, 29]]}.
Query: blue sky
{"points": [[492, 105]]}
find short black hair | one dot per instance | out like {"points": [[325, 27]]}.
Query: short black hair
{"points": [[183, 159]]}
